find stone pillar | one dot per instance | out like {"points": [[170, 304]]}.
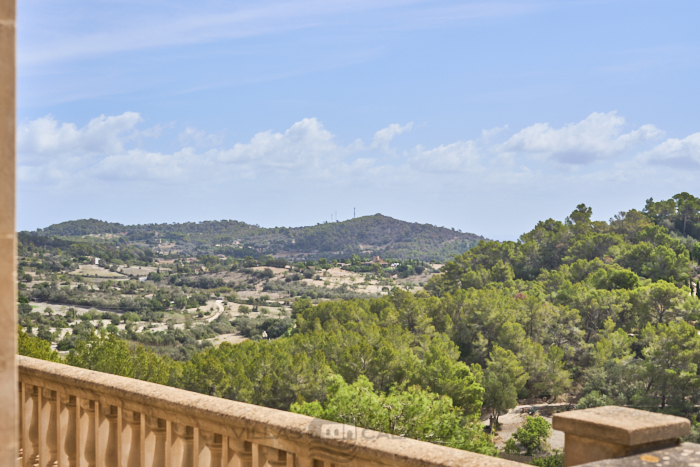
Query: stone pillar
{"points": [[9, 449], [608, 432]]}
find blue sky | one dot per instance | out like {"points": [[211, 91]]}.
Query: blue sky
{"points": [[482, 116]]}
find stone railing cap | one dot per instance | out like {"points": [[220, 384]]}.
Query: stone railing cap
{"points": [[621, 425], [685, 455]]}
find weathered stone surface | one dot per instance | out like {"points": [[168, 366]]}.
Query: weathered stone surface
{"points": [[621, 425], [245, 431], [8, 238], [610, 432], [685, 455]]}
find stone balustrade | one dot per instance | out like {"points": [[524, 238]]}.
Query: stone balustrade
{"points": [[75, 417], [72, 417]]}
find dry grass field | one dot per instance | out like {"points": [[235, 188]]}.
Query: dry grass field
{"points": [[91, 270], [137, 270]]}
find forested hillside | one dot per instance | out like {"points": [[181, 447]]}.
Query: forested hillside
{"points": [[584, 311], [369, 235]]}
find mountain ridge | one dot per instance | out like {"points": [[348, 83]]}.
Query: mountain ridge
{"points": [[368, 235]]}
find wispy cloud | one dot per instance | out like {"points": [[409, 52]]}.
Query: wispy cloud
{"points": [[383, 137], [63, 153], [149, 25], [200, 138]]}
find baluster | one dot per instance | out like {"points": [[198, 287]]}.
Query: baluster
{"points": [[264, 456], [305, 461], [155, 442], [48, 435], [68, 427], [196, 447], [240, 453], [213, 442], [86, 430], [98, 420], [168, 443], [20, 425], [225, 456], [109, 437], [30, 450], [183, 454], [131, 438]]}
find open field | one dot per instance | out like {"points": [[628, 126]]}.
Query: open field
{"points": [[93, 270], [233, 338], [137, 270]]}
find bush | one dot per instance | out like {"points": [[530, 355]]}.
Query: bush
{"points": [[556, 459], [694, 435], [594, 399], [31, 346], [44, 333], [65, 344], [533, 434], [130, 316]]}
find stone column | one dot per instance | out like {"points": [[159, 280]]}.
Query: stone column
{"points": [[8, 240], [608, 432]]}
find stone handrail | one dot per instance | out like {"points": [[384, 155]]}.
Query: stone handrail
{"points": [[75, 417]]}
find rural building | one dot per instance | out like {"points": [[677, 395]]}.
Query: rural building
{"points": [[95, 261]]}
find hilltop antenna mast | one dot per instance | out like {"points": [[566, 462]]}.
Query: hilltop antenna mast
{"points": [[353, 213]]}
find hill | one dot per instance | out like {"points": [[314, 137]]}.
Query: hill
{"points": [[369, 235]]}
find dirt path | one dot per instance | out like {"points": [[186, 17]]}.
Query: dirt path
{"points": [[515, 418], [219, 304]]}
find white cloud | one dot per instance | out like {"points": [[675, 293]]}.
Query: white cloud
{"points": [[306, 145], [486, 135], [596, 137], [462, 156], [101, 136], [683, 154], [138, 165], [383, 137], [200, 138], [103, 152]]}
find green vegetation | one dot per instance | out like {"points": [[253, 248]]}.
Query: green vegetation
{"points": [[413, 413], [532, 436], [369, 235], [586, 311]]}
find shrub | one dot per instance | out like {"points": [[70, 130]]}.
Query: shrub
{"points": [[594, 399], [24, 308], [533, 434], [556, 459], [31, 346]]}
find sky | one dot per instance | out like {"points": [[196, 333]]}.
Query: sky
{"points": [[481, 116]]}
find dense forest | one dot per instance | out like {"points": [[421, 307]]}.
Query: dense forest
{"points": [[372, 235], [589, 312]]}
